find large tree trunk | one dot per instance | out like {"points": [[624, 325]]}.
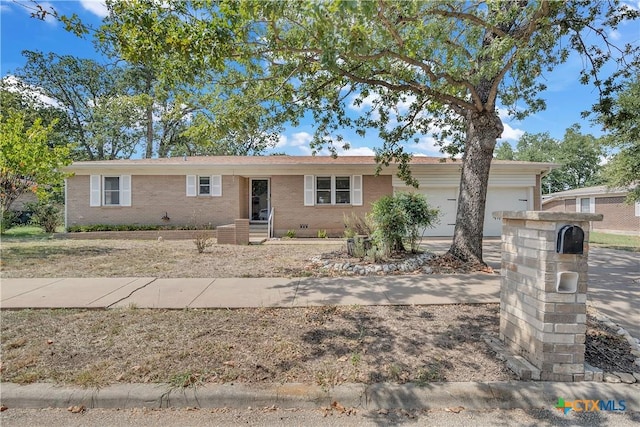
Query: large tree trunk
{"points": [[482, 131], [149, 136]]}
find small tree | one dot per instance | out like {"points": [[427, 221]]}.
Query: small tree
{"points": [[46, 215], [400, 216], [27, 162]]}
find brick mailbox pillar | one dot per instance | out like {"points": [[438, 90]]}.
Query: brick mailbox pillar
{"points": [[544, 290]]}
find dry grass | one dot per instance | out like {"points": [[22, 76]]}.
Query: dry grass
{"points": [[144, 258], [326, 345]]}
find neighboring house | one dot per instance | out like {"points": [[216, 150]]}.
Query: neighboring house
{"points": [[619, 217], [306, 193]]}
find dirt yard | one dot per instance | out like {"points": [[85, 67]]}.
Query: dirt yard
{"points": [[144, 258]]}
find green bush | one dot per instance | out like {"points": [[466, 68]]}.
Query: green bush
{"points": [[8, 220], [322, 234], [127, 227], [401, 216], [290, 234], [46, 215]]}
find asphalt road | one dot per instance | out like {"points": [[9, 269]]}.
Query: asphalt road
{"points": [[296, 417]]}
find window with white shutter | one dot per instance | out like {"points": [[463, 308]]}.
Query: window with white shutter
{"points": [[309, 190], [94, 192], [192, 190]]}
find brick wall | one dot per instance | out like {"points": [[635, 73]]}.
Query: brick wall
{"points": [[151, 197], [618, 215], [287, 198], [537, 321]]}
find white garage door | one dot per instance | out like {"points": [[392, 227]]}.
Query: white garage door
{"points": [[444, 199], [498, 199], [504, 199]]}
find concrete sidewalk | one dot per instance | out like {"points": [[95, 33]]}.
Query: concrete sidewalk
{"points": [[149, 292]]}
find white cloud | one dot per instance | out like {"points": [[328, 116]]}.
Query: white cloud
{"points": [[615, 35], [356, 151], [13, 84], [282, 141], [300, 139], [511, 133], [97, 7], [5, 8]]}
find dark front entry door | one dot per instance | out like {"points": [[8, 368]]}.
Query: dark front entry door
{"points": [[259, 203]]}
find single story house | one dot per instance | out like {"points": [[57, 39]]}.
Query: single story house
{"points": [[304, 193], [618, 216]]}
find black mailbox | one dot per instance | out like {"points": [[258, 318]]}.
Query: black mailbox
{"points": [[570, 240]]}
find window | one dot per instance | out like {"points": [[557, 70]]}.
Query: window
{"points": [[585, 205], [343, 190], [333, 190], [323, 190], [110, 190], [204, 187]]}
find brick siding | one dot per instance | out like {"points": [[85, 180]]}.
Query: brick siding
{"points": [[618, 215], [152, 197]]}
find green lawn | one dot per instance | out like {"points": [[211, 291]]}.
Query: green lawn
{"points": [[26, 233], [615, 241]]}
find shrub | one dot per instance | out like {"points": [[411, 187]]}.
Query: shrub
{"points": [[46, 215], [358, 225], [400, 216], [202, 240], [322, 234], [290, 234], [8, 220]]}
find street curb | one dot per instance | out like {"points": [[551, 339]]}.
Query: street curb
{"points": [[471, 395]]}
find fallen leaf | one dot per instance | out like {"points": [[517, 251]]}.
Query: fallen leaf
{"points": [[338, 407], [49, 342], [455, 410], [76, 409], [3, 408], [383, 412]]}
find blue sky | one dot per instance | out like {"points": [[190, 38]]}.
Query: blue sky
{"points": [[566, 98]]}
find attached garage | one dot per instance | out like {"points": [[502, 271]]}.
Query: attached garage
{"points": [[511, 187]]}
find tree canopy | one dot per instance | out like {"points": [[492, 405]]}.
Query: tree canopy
{"points": [[622, 121], [424, 68], [448, 63], [579, 157], [27, 161]]}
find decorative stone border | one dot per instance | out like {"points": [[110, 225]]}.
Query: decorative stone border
{"points": [[414, 264]]}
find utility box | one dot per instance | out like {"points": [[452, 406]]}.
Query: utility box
{"points": [[543, 291], [570, 240]]}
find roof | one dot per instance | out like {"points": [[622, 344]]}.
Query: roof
{"points": [[597, 190], [271, 163]]}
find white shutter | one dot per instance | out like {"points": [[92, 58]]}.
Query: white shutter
{"points": [[357, 190], [216, 185], [578, 205], [94, 197], [308, 190], [191, 186], [125, 190], [592, 205], [637, 208]]}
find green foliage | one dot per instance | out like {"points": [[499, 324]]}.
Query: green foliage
{"points": [[322, 234], [27, 161], [8, 220], [46, 215], [622, 121], [126, 227], [578, 156], [290, 234], [400, 216]]}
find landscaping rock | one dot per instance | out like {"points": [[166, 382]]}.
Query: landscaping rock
{"points": [[611, 378], [625, 378]]}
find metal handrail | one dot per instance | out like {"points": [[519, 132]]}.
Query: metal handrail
{"points": [[270, 223]]}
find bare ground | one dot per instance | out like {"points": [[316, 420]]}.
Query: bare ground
{"points": [[144, 258], [326, 346]]}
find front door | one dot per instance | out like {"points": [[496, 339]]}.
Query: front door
{"points": [[259, 199]]}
